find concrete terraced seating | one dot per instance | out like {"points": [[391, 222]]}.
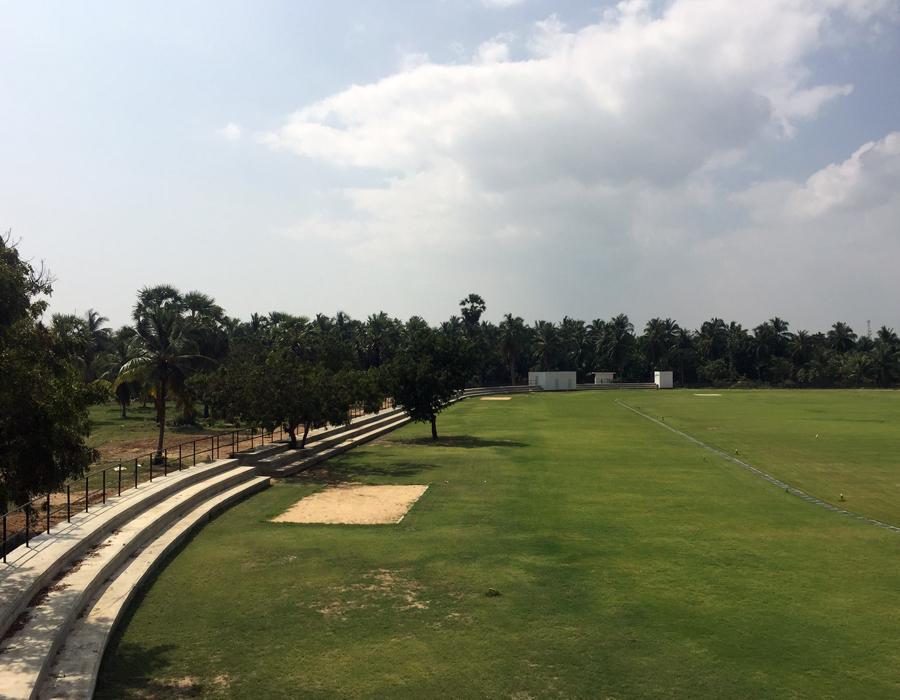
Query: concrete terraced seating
{"points": [[61, 597], [276, 459]]}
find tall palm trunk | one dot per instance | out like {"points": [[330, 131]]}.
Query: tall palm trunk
{"points": [[512, 373]]}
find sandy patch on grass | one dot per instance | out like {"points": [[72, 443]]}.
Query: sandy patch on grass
{"points": [[707, 394], [496, 398], [354, 504]]}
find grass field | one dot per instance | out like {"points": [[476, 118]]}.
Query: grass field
{"points": [[825, 443], [140, 422], [629, 567]]}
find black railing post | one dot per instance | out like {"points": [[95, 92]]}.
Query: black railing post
{"points": [[68, 503], [119, 469], [212, 447], [152, 457], [4, 539], [194, 443], [87, 493], [48, 513], [179, 458], [166, 462], [27, 525], [104, 486], [135, 472]]}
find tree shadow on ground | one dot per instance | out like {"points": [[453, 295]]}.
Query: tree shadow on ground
{"points": [[466, 441], [131, 670], [339, 472]]}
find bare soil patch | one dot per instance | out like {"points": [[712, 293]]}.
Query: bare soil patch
{"points": [[496, 398], [354, 504]]}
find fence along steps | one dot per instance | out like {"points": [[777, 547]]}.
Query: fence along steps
{"points": [[331, 444], [77, 664], [32, 645]]}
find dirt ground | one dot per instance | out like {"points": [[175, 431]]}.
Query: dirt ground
{"points": [[496, 398], [354, 504], [113, 452]]}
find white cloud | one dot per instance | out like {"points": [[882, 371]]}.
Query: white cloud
{"points": [[604, 145], [502, 3], [231, 132]]}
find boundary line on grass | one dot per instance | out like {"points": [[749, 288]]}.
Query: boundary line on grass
{"points": [[765, 476]]}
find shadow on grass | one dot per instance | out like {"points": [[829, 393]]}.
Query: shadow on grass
{"points": [[338, 472], [132, 671], [466, 441]]}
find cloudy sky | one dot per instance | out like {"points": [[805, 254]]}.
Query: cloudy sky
{"points": [[684, 159]]}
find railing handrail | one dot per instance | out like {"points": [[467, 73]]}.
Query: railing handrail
{"points": [[214, 449]]}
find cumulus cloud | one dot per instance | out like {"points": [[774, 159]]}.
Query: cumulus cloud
{"points": [[231, 132], [607, 137]]}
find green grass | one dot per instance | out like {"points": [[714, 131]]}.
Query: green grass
{"points": [[855, 454], [109, 426], [628, 567]]}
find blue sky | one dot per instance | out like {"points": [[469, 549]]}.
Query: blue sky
{"points": [[689, 159]]}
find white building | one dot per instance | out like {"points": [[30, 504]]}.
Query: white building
{"points": [[663, 380], [553, 381], [603, 377]]}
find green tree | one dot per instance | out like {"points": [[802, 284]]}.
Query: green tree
{"points": [[841, 337], [428, 372], [512, 343], [166, 354], [44, 421]]}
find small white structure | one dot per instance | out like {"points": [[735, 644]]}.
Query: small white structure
{"points": [[553, 381], [603, 377], [663, 380]]}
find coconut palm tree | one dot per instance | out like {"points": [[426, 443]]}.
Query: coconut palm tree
{"points": [[841, 337], [658, 339], [617, 341], [165, 355], [512, 342], [712, 339], [546, 345]]}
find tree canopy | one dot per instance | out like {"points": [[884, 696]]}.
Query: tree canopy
{"points": [[44, 421]]}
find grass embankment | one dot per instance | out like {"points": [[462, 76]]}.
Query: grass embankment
{"points": [[629, 567], [825, 443]]}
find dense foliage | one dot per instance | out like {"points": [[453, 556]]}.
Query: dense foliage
{"points": [[44, 403]]}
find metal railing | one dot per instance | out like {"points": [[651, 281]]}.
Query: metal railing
{"points": [[42, 513]]}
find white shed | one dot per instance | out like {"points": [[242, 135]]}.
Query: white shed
{"points": [[663, 380], [603, 377], [553, 381]]}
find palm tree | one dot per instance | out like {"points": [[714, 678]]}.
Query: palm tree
{"points": [[841, 337], [617, 341], [712, 339], [885, 362], [887, 336], [659, 336], [512, 342], [546, 345], [800, 348], [763, 343], [121, 350], [165, 355]]}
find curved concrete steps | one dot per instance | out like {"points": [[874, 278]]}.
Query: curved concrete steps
{"points": [[73, 673], [31, 644]]}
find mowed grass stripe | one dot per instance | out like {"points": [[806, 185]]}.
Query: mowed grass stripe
{"points": [[855, 454], [629, 567]]}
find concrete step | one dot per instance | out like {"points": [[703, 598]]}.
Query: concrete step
{"points": [[25, 655], [350, 441], [75, 668], [29, 569], [323, 442], [272, 451]]}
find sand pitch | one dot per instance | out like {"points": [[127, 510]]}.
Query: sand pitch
{"points": [[354, 504]]}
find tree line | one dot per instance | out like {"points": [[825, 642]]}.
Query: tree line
{"points": [[301, 373]]}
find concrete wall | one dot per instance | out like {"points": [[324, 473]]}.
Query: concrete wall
{"points": [[603, 377], [553, 381], [663, 379]]}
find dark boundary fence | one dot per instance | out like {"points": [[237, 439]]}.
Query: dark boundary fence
{"points": [[40, 514], [44, 512]]}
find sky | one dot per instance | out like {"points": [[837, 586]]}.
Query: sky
{"points": [[686, 159]]}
